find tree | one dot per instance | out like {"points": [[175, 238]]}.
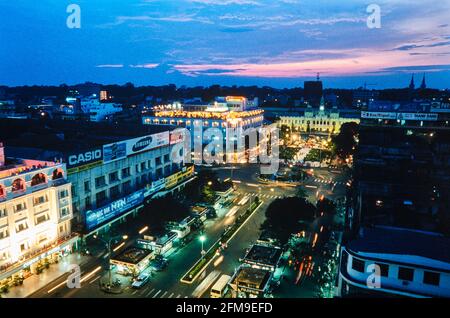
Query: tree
{"points": [[287, 216], [344, 143], [158, 212]]}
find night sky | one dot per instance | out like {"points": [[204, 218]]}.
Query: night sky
{"points": [[231, 42]]}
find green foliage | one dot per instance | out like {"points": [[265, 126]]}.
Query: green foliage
{"points": [[344, 144], [285, 216]]}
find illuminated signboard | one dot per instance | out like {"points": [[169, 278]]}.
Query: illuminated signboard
{"points": [[145, 143], [113, 152], [417, 116], [83, 158], [378, 115], [99, 216]]}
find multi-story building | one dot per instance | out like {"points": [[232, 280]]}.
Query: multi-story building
{"points": [[35, 214], [112, 168], [232, 115], [318, 120], [399, 204]]}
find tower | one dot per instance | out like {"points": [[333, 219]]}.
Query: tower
{"points": [[423, 85], [411, 84]]}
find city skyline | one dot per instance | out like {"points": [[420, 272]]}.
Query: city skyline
{"points": [[233, 42]]}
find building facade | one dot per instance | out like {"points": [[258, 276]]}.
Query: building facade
{"points": [[232, 116], [320, 120], [35, 214]]}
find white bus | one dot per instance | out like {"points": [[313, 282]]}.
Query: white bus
{"points": [[220, 287], [244, 200]]}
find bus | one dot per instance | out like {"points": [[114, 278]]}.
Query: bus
{"points": [[220, 287]]}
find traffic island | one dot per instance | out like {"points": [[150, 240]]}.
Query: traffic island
{"points": [[194, 272]]}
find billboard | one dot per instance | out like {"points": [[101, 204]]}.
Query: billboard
{"points": [[81, 158], [115, 151], [379, 115], [417, 116], [99, 216], [146, 143]]}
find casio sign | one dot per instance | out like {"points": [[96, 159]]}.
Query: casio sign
{"points": [[142, 144], [82, 158]]}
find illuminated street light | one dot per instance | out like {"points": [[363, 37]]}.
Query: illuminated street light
{"points": [[202, 239]]}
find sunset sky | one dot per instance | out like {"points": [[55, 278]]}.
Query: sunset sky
{"points": [[278, 43]]}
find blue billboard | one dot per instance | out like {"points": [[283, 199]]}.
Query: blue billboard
{"points": [[99, 216]]}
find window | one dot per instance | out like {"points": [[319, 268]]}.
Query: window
{"points": [[100, 182], [63, 194], [358, 265], [20, 207], [126, 172], [100, 197], [384, 269], [114, 176], [143, 166], [406, 274], [42, 218], [40, 200], [137, 168], [21, 227], [23, 247], [431, 278], [158, 161], [87, 186], [114, 192], [65, 211], [166, 158], [3, 212], [4, 233]]}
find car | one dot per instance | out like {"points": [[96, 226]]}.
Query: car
{"points": [[159, 264]]}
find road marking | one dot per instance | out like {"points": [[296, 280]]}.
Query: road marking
{"points": [[178, 296], [149, 292], [171, 295], [155, 295], [165, 293], [134, 293]]}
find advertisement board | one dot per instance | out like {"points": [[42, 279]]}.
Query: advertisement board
{"points": [[417, 116], [115, 151], [146, 143], [81, 158], [97, 217], [378, 115]]}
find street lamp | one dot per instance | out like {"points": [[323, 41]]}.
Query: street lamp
{"points": [[108, 245], [202, 239]]}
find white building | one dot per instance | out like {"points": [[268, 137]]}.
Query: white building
{"points": [[395, 262], [97, 110], [35, 213]]}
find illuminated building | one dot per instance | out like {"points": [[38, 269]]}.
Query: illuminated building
{"points": [[398, 204], [112, 168], [225, 113], [319, 120], [104, 95], [35, 214]]}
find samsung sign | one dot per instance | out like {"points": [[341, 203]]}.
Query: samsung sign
{"points": [[97, 217], [83, 158], [146, 143]]}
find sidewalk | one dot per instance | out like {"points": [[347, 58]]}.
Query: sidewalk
{"points": [[36, 282]]}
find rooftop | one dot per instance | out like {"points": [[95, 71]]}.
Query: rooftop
{"points": [[262, 254], [402, 243], [132, 255], [252, 276], [49, 138]]}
